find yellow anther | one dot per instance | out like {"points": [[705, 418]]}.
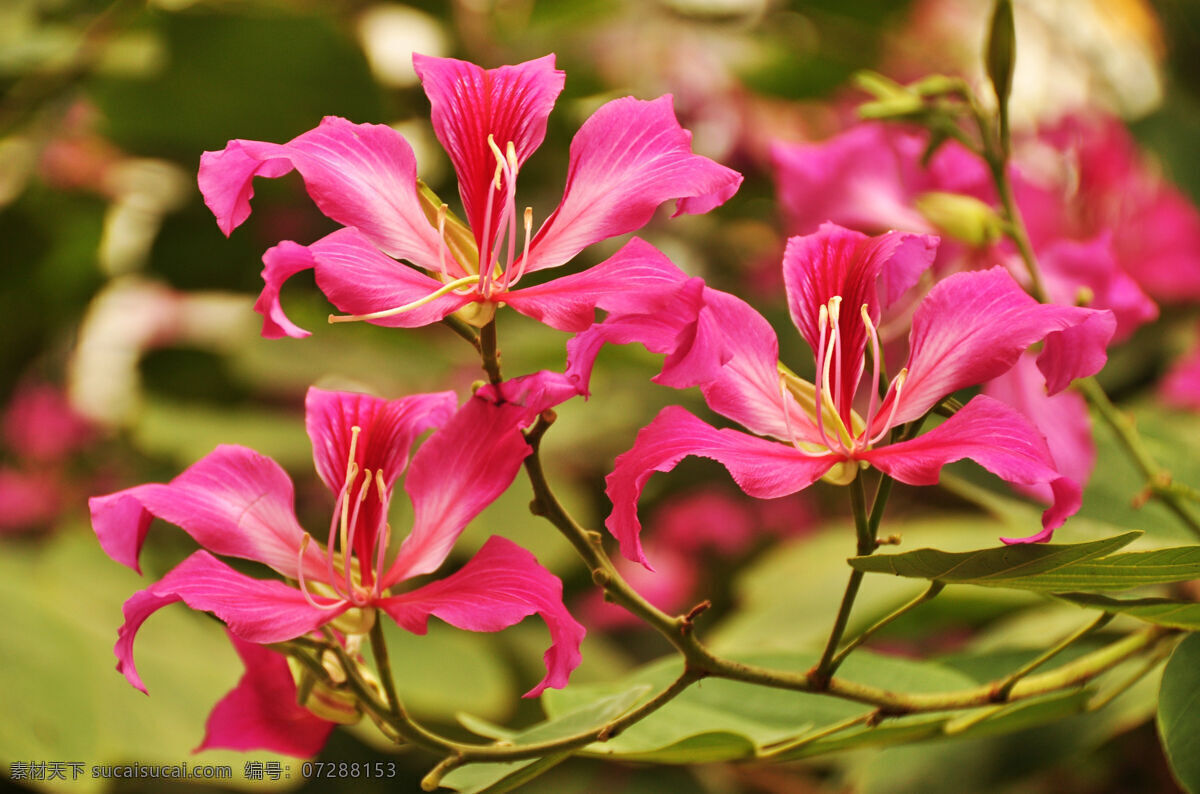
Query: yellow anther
{"points": [[351, 465], [380, 487], [835, 309], [366, 485], [528, 225], [510, 154], [823, 319]]}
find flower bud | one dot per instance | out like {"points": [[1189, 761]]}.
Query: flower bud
{"points": [[960, 217]]}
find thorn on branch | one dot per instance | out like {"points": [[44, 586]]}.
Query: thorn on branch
{"points": [[890, 540], [594, 538], [535, 507], [688, 620], [601, 577], [1141, 497]]}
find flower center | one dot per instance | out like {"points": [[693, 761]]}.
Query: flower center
{"points": [[350, 578]]}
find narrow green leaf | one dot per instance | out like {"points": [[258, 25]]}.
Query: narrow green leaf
{"points": [[1161, 611], [499, 778], [1179, 713], [1002, 566]]}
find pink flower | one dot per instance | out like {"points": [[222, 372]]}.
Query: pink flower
{"points": [[238, 503], [969, 328], [1181, 386], [626, 160]]}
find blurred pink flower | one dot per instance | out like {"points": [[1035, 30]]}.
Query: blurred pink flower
{"points": [[626, 160]]}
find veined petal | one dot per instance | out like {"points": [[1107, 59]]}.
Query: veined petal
{"points": [[997, 438], [626, 160], [1062, 419], [261, 712], [255, 610], [973, 326], [747, 388], [628, 281], [233, 501], [456, 473], [501, 585], [871, 271], [469, 103], [763, 469], [281, 262], [387, 429], [361, 175], [361, 280]]}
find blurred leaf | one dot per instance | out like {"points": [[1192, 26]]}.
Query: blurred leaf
{"points": [[505, 777], [1034, 566], [718, 719], [449, 670], [799, 584], [62, 605], [269, 76], [1161, 611], [185, 432], [1179, 712]]}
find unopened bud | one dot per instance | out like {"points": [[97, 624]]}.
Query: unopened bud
{"points": [[964, 218], [1002, 51]]}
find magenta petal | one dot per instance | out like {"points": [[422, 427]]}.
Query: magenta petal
{"points": [[361, 175], [747, 388], [863, 271], [1069, 267], [261, 712], [1076, 351], [627, 281], [359, 279], [972, 327], [233, 501], [763, 469], [626, 160], [255, 610], [994, 436], [1181, 386], [865, 178], [469, 103], [1062, 419], [280, 263], [501, 585], [456, 473], [387, 430]]}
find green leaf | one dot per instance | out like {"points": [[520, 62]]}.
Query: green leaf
{"points": [[718, 719], [1179, 712], [495, 778], [1161, 611], [1002, 566], [63, 700]]}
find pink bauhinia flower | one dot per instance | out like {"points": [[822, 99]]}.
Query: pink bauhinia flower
{"points": [[626, 160], [969, 328], [238, 503]]}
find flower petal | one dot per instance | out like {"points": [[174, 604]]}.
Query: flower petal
{"points": [[456, 473], [997, 438], [1062, 419], [281, 262], [387, 429], [626, 160], [1181, 386], [865, 178], [1070, 267], [359, 280], [763, 469], [747, 388], [361, 175], [469, 103], [255, 610], [626, 282], [233, 501], [261, 712], [501, 585], [870, 271], [972, 327]]}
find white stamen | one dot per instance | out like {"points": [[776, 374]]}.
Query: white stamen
{"points": [[787, 421], [822, 378], [873, 400], [304, 584]]}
